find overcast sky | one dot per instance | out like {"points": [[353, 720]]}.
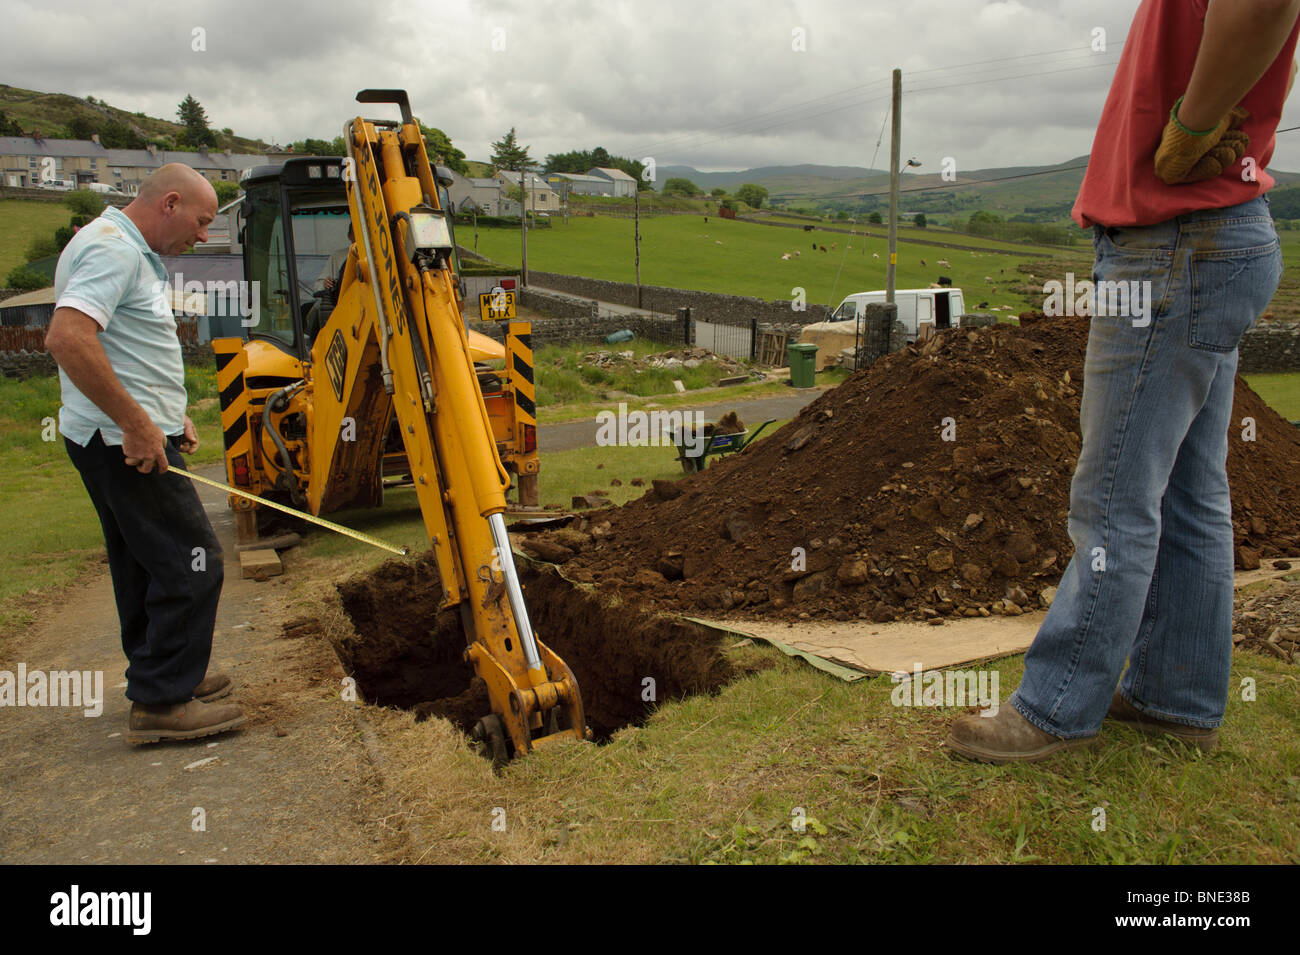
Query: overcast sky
{"points": [[715, 85]]}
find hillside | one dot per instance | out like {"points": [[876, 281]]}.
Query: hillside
{"points": [[1047, 191], [61, 116]]}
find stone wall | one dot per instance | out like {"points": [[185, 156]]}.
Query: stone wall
{"points": [[705, 306], [591, 328], [1270, 347]]}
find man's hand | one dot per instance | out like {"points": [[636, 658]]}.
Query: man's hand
{"points": [[190, 442], [1186, 156], [144, 447]]}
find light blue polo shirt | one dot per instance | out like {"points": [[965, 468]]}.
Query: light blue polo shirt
{"points": [[109, 272]]}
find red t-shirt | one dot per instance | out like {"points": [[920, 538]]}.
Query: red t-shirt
{"points": [[1120, 187]]}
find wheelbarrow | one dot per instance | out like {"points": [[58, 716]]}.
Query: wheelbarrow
{"points": [[693, 459]]}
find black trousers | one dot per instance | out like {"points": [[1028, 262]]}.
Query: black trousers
{"points": [[166, 565]]}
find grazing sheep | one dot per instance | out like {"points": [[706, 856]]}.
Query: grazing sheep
{"points": [[785, 256], [821, 248], [814, 246], [875, 255], [796, 255], [944, 263], [988, 279], [982, 305], [923, 263], [717, 241], [833, 244]]}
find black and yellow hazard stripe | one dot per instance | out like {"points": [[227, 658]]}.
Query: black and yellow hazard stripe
{"points": [[519, 349], [232, 362]]}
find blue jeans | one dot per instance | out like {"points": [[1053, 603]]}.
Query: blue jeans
{"points": [[1150, 515]]}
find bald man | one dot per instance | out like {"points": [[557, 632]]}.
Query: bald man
{"points": [[124, 425]]}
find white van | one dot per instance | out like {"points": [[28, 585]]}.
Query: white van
{"points": [[917, 307], [62, 185], [105, 189]]}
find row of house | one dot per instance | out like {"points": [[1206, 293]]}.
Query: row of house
{"points": [[26, 161], [490, 196]]}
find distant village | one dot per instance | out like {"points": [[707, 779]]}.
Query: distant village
{"points": [[33, 161]]}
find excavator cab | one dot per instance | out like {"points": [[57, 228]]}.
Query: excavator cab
{"points": [[298, 239]]}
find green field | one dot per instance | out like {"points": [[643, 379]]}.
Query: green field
{"points": [[740, 258], [21, 221]]}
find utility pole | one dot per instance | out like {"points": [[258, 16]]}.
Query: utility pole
{"points": [[523, 230], [636, 239], [636, 234], [896, 128]]}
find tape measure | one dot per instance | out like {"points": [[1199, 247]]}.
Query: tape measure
{"points": [[310, 518]]}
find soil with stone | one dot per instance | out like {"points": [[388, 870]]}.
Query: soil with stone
{"points": [[1267, 621], [934, 483]]}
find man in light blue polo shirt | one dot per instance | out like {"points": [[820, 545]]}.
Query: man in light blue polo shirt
{"points": [[124, 424]]}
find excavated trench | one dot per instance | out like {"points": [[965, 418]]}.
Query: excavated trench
{"points": [[404, 654]]}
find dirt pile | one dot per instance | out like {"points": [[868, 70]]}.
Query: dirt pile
{"points": [[934, 483], [405, 654]]}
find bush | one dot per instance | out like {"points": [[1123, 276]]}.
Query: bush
{"points": [[62, 236], [26, 279], [40, 248], [83, 202]]}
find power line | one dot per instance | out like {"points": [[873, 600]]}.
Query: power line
{"points": [[685, 140], [946, 185]]}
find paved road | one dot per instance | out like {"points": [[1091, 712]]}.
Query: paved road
{"points": [[754, 411]]}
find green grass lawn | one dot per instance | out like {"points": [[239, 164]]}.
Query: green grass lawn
{"points": [[741, 258], [21, 221], [1281, 392], [51, 534], [723, 779]]}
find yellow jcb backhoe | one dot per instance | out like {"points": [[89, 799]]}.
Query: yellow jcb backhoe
{"points": [[315, 401]]}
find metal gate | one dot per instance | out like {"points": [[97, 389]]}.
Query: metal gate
{"points": [[735, 341]]}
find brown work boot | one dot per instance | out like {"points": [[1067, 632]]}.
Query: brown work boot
{"points": [[1124, 711], [213, 687], [1006, 738], [192, 720]]}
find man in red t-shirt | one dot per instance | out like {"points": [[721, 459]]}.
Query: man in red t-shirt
{"points": [[1186, 260]]}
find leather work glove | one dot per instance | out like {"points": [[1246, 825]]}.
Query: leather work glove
{"points": [[1186, 156]]}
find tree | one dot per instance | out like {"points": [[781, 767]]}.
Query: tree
{"points": [[9, 127], [82, 127], [117, 135], [508, 154], [226, 191], [442, 151], [678, 186], [752, 195], [874, 218], [195, 120], [601, 158], [918, 220], [718, 193], [576, 161], [320, 147]]}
